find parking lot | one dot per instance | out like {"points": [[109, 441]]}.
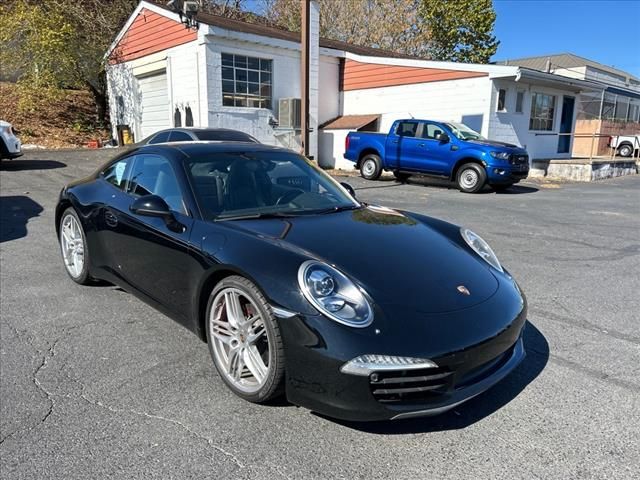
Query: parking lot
{"points": [[96, 384]]}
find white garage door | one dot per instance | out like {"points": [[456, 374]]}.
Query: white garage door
{"points": [[155, 104]]}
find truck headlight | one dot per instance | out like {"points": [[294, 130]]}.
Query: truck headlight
{"points": [[500, 155], [331, 292], [481, 247]]}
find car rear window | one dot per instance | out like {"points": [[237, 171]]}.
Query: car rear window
{"points": [[225, 136]]}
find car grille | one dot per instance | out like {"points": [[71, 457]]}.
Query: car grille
{"points": [[519, 159], [415, 386], [409, 385]]}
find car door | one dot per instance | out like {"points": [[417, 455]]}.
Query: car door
{"points": [[154, 256], [403, 147], [436, 152]]}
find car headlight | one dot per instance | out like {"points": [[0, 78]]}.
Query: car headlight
{"points": [[481, 247], [366, 364], [500, 155], [331, 292]]}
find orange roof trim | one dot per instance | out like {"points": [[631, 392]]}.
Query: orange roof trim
{"points": [[150, 33]]}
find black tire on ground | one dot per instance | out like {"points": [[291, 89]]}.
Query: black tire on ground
{"points": [[471, 177], [84, 277], [273, 386], [625, 150], [401, 176], [371, 166]]}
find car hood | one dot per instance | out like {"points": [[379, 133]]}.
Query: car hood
{"points": [[494, 143], [395, 258]]}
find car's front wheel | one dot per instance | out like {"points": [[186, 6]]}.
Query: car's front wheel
{"points": [[471, 178], [625, 150], [244, 340], [371, 166], [73, 245]]}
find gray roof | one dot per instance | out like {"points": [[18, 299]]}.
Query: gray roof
{"points": [[564, 60]]}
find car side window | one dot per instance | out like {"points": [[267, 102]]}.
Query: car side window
{"points": [[431, 131], [117, 173], [154, 175], [407, 129], [161, 137], [180, 137]]}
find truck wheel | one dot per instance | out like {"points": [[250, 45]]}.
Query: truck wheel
{"points": [[471, 178], [625, 150], [371, 167]]}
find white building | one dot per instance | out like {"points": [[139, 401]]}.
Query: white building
{"points": [[234, 74]]}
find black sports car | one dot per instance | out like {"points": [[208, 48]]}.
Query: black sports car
{"points": [[355, 311], [192, 134]]}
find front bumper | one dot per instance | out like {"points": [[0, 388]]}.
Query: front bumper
{"points": [[314, 359], [501, 175]]}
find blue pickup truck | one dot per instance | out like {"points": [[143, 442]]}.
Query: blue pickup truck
{"points": [[441, 149]]}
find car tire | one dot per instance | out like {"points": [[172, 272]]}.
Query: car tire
{"points": [[401, 176], [246, 374], [73, 247], [371, 166], [625, 150], [471, 177]]}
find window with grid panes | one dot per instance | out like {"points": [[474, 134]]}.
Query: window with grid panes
{"points": [[246, 81]]}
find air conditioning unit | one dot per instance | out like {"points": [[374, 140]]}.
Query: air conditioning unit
{"points": [[289, 112]]}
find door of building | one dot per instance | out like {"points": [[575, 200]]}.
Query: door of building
{"points": [[566, 124]]}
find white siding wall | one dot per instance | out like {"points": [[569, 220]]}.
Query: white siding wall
{"points": [[285, 83], [331, 150], [513, 127], [464, 100], [181, 65]]}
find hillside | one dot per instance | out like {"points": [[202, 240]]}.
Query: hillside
{"points": [[68, 123]]}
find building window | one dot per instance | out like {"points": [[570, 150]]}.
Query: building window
{"points": [[543, 107], [519, 101], [502, 98], [246, 81]]}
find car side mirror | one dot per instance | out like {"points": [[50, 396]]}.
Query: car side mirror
{"points": [[349, 189], [151, 206], [443, 138]]}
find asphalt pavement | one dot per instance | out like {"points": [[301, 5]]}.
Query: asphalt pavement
{"points": [[96, 384]]}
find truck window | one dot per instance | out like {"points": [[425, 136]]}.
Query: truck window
{"points": [[407, 129], [430, 130]]}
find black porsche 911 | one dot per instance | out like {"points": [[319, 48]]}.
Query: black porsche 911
{"points": [[355, 311]]}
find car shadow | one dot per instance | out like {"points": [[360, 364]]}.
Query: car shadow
{"points": [[485, 404], [19, 165], [517, 190], [445, 184], [15, 213]]}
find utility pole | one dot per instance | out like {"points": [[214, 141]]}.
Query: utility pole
{"points": [[305, 9]]}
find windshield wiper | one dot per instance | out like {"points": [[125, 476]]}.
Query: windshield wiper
{"points": [[251, 216], [338, 208]]}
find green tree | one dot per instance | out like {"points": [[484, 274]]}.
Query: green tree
{"points": [[459, 30]]}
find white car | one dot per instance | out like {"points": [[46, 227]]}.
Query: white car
{"points": [[10, 146], [625, 145]]}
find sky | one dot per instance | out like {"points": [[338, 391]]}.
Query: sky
{"points": [[602, 30]]}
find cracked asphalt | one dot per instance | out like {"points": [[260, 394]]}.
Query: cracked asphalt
{"points": [[95, 384]]}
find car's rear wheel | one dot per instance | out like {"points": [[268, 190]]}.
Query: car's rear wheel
{"points": [[625, 150], [371, 166], [471, 178], [244, 340], [73, 245]]}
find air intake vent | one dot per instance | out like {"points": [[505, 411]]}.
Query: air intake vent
{"points": [[409, 385], [289, 112]]}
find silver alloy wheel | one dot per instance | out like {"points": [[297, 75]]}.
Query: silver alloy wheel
{"points": [[369, 167], [625, 151], [240, 339], [72, 244], [469, 179]]}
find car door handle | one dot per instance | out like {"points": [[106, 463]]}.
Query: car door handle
{"points": [[421, 144], [394, 141], [110, 218]]}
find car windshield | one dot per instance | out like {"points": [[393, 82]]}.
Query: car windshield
{"points": [[225, 135], [462, 132], [252, 184]]}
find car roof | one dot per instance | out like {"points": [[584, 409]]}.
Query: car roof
{"points": [[194, 148]]}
